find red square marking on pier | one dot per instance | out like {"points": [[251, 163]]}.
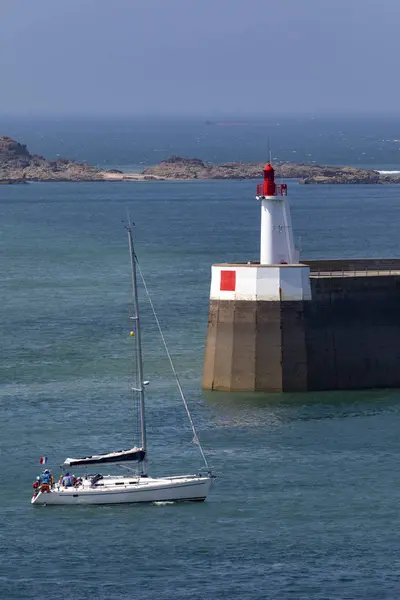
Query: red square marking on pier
{"points": [[228, 281]]}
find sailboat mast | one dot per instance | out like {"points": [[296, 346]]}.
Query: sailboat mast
{"points": [[139, 361]]}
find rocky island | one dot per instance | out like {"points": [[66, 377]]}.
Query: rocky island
{"points": [[178, 167], [18, 165]]}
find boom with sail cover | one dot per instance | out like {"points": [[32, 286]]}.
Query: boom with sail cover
{"points": [[122, 456]]}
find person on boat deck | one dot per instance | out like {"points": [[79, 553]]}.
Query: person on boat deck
{"points": [[46, 477], [68, 480]]}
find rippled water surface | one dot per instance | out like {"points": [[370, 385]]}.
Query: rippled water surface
{"points": [[306, 504]]}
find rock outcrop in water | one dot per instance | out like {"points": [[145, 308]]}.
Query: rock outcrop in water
{"points": [[18, 165], [178, 167]]}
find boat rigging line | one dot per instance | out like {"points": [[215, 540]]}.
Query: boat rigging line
{"points": [[178, 383]]}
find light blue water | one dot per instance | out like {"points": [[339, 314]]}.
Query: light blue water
{"points": [[306, 503]]}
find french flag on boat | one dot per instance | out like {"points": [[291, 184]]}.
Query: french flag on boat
{"points": [[43, 460]]}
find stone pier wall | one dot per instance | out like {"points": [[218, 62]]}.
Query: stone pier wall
{"points": [[353, 332], [346, 337], [258, 346]]}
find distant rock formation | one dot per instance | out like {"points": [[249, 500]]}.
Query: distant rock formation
{"points": [[18, 164], [340, 175], [178, 167]]}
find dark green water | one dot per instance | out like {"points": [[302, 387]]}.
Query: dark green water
{"points": [[307, 500]]}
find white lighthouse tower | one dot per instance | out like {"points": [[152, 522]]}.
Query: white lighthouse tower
{"points": [[255, 336], [276, 242]]}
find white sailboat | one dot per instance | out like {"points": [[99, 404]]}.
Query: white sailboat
{"points": [[137, 486]]}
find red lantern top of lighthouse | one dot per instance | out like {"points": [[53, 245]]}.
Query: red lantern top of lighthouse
{"points": [[269, 187]]}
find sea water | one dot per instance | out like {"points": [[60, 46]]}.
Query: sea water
{"points": [[372, 142], [306, 501]]}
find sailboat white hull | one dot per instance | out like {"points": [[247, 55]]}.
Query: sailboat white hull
{"points": [[125, 490]]}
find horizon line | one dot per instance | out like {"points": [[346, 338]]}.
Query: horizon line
{"points": [[214, 116]]}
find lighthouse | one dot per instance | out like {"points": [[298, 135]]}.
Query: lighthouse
{"points": [[256, 324], [276, 240]]}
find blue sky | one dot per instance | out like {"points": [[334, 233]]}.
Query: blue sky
{"points": [[199, 56]]}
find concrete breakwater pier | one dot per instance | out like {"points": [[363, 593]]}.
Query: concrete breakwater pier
{"points": [[284, 325]]}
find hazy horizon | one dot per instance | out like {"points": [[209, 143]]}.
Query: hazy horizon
{"points": [[223, 116], [224, 58]]}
